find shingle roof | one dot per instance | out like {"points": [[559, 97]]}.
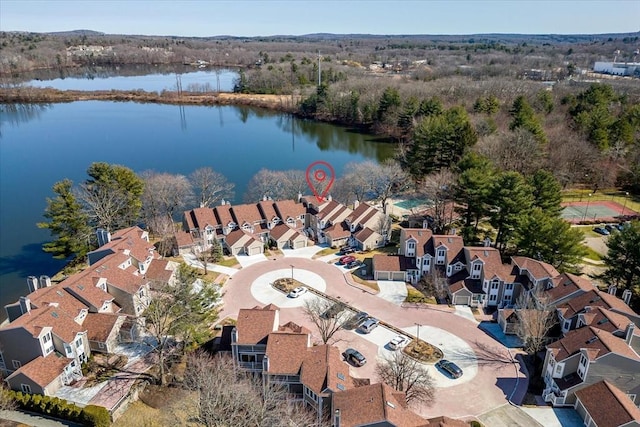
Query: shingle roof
{"points": [[255, 324], [223, 215], [203, 217], [588, 337], [160, 270], [268, 211], [184, 239], [322, 368], [375, 403], [382, 262], [43, 370], [100, 325], [593, 298], [422, 236], [454, 244], [127, 280], [55, 294], [608, 320], [538, 269], [247, 213], [607, 405], [130, 239], [338, 231], [286, 351], [492, 262], [35, 320], [565, 285], [364, 234], [289, 209]]}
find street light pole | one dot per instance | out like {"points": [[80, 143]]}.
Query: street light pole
{"points": [[418, 325], [587, 209], [626, 199], [291, 274]]}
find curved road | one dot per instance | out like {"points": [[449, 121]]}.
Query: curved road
{"points": [[488, 383]]}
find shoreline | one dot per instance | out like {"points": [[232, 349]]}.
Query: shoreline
{"points": [[32, 95]]}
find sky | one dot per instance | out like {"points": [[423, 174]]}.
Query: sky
{"points": [[296, 17]]}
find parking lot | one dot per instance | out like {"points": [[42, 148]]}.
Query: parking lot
{"points": [[490, 374]]}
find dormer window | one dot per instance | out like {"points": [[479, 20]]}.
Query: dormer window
{"points": [[477, 267], [441, 252], [411, 245]]}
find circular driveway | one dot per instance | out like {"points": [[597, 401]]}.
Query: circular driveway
{"points": [[264, 292], [490, 376]]}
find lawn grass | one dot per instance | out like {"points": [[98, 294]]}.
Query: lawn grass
{"points": [[423, 351], [228, 262], [575, 195], [368, 283], [592, 254], [326, 251], [414, 295]]}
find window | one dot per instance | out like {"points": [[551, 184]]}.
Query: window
{"points": [[507, 297], [411, 245], [493, 297], [79, 342], [477, 267], [441, 252], [310, 394], [26, 388], [248, 358], [509, 286], [141, 293], [494, 285], [100, 345], [583, 360], [46, 338], [341, 387], [16, 364], [567, 324]]}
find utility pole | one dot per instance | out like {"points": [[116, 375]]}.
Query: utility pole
{"points": [[319, 73]]}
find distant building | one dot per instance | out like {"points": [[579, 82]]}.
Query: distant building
{"points": [[618, 68]]}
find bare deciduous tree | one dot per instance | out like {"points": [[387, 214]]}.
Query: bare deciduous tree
{"points": [[356, 179], [180, 311], [386, 180], [534, 322], [383, 226], [6, 402], [102, 204], [406, 374], [164, 195], [438, 188], [229, 398], [276, 185], [516, 151], [326, 315], [210, 186]]}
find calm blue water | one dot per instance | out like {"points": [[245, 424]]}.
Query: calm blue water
{"points": [[42, 145], [195, 81]]}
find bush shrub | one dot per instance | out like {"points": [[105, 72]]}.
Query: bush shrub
{"points": [[90, 415]]}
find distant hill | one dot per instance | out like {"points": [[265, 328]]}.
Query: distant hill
{"points": [[76, 33]]}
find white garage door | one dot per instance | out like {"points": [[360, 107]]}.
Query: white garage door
{"points": [[256, 250]]}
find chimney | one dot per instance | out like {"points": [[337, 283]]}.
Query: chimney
{"points": [[356, 203], [486, 242], [612, 289], [336, 418], [103, 235], [32, 282], [629, 333], [626, 296], [222, 202], [329, 198], [264, 198], [299, 197], [45, 281], [25, 305]]}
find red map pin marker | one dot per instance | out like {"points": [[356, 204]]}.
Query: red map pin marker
{"points": [[320, 177]]}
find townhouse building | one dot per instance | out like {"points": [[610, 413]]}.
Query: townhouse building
{"points": [[56, 327], [588, 355]]}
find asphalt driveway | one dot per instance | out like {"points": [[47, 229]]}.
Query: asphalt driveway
{"points": [[491, 375]]}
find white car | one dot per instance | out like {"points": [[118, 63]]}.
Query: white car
{"points": [[398, 342], [300, 290]]}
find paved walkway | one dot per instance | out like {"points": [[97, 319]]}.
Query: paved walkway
{"points": [[554, 417], [392, 291], [465, 311], [508, 416], [192, 261], [35, 420], [306, 252], [495, 377], [248, 260]]}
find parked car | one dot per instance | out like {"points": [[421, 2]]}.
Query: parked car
{"points": [[347, 259], [354, 264], [450, 368], [300, 290], [621, 226], [611, 227], [398, 342], [601, 230], [346, 250], [354, 357], [368, 325], [359, 317]]}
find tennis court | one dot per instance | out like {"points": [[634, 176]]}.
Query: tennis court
{"points": [[594, 211]]}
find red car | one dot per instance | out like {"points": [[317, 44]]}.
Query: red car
{"points": [[347, 259]]}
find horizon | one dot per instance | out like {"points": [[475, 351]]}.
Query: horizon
{"points": [[188, 18]]}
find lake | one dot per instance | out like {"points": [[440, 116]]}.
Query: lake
{"points": [[148, 78], [40, 145]]}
